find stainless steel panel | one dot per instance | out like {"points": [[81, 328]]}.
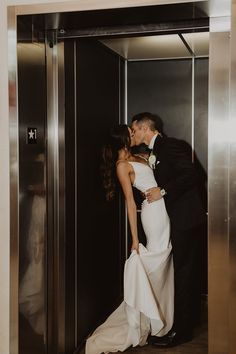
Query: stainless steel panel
{"points": [[61, 199], [219, 8], [198, 42], [32, 203], [201, 151], [51, 243], [14, 182], [56, 194], [218, 187], [71, 171], [201, 111], [149, 47], [232, 185]]}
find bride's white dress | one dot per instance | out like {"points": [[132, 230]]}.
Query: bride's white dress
{"points": [[148, 305]]}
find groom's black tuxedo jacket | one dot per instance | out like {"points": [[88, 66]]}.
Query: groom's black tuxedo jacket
{"points": [[175, 172]]}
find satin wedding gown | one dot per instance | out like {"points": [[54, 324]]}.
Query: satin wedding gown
{"points": [[148, 305]]}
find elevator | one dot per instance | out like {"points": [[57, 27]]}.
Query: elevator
{"points": [[79, 74]]}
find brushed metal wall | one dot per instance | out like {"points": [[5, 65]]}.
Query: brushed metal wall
{"points": [[55, 137], [32, 203], [218, 193], [232, 191], [200, 128], [222, 222], [222, 192]]}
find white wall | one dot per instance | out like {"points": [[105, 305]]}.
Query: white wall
{"points": [[30, 6]]}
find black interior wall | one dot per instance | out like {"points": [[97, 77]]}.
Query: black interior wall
{"points": [[100, 242], [164, 87]]}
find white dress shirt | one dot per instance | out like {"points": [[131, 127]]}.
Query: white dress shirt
{"points": [[152, 142]]}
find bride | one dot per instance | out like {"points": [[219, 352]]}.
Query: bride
{"points": [[148, 305]]}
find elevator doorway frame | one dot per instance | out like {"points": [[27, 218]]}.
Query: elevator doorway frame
{"points": [[220, 233]]}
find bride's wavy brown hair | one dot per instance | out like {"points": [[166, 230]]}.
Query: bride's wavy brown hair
{"points": [[118, 139]]}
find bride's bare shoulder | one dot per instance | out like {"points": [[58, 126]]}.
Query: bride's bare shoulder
{"points": [[123, 165]]}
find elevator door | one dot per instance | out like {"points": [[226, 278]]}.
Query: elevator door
{"points": [[32, 202], [93, 106]]}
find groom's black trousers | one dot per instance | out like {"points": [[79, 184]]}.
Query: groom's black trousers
{"points": [[187, 272]]}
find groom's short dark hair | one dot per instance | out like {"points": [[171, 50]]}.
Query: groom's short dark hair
{"points": [[154, 120]]}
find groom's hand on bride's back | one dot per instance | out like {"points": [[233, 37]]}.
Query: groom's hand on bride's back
{"points": [[153, 194]]}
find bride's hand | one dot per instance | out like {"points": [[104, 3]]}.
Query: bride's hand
{"points": [[135, 246]]}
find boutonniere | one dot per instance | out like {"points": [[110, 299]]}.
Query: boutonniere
{"points": [[152, 161]]}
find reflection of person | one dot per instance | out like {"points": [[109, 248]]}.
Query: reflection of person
{"points": [[148, 274], [177, 185], [31, 292]]}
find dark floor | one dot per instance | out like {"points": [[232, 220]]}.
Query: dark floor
{"points": [[199, 345]]}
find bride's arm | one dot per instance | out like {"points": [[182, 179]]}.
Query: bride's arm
{"points": [[123, 173]]}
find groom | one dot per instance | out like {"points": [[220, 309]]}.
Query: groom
{"points": [[178, 185]]}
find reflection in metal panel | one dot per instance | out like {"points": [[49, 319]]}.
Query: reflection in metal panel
{"points": [[151, 47], [14, 182], [56, 195], [232, 193], [218, 184], [32, 207], [201, 111], [160, 46], [198, 42]]}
